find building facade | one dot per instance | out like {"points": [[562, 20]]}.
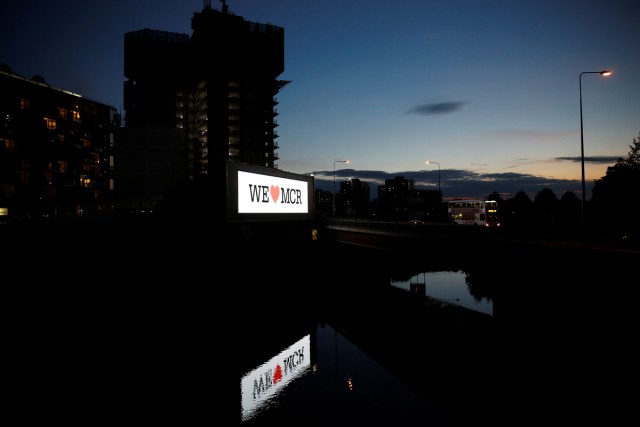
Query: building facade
{"points": [[354, 199], [56, 151], [399, 199], [192, 103]]}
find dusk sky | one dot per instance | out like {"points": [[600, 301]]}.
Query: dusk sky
{"points": [[488, 89]]}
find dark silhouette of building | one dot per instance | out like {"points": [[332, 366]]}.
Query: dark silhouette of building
{"points": [[192, 103], [395, 196], [323, 202], [354, 198], [399, 199], [56, 151]]}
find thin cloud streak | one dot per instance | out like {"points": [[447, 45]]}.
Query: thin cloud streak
{"points": [[437, 108], [591, 159]]}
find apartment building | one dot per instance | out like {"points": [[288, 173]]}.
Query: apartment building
{"points": [[56, 152]]}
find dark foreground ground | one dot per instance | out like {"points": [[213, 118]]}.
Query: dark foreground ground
{"points": [[155, 325]]}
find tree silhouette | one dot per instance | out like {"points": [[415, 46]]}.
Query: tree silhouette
{"points": [[495, 196], [517, 211], [616, 196], [545, 206], [569, 211]]}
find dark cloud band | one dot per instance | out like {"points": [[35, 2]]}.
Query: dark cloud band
{"points": [[437, 108]]}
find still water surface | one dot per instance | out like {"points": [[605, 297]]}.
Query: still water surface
{"points": [[447, 286], [324, 373], [559, 336], [352, 346], [325, 377]]}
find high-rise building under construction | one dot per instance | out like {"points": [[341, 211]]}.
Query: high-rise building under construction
{"points": [[192, 103]]}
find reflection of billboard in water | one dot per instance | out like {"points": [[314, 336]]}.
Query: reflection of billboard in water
{"points": [[260, 385]]}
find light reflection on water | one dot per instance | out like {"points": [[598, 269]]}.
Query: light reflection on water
{"points": [[335, 381], [448, 286], [468, 370], [325, 373], [263, 385]]}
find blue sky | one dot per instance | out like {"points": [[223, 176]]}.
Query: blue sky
{"points": [[488, 89]]}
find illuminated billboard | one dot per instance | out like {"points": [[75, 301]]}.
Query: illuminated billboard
{"points": [[255, 193]]}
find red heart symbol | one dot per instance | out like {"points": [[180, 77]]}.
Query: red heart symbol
{"points": [[275, 193], [277, 375]]}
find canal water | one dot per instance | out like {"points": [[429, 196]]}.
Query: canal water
{"points": [[453, 287], [317, 333], [326, 373], [432, 342], [324, 377], [330, 370]]}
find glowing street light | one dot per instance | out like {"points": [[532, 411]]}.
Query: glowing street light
{"points": [[429, 162], [605, 73], [334, 182]]}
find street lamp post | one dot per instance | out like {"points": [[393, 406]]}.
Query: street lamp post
{"points": [[334, 182], [605, 73], [429, 162]]}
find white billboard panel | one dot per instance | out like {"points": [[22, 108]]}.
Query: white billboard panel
{"points": [[259, 193]]}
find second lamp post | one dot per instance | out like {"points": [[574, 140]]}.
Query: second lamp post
{"points": [[428, 162]]}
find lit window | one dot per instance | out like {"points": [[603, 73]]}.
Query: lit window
{"points": [[8, 144], [50, 123]]}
